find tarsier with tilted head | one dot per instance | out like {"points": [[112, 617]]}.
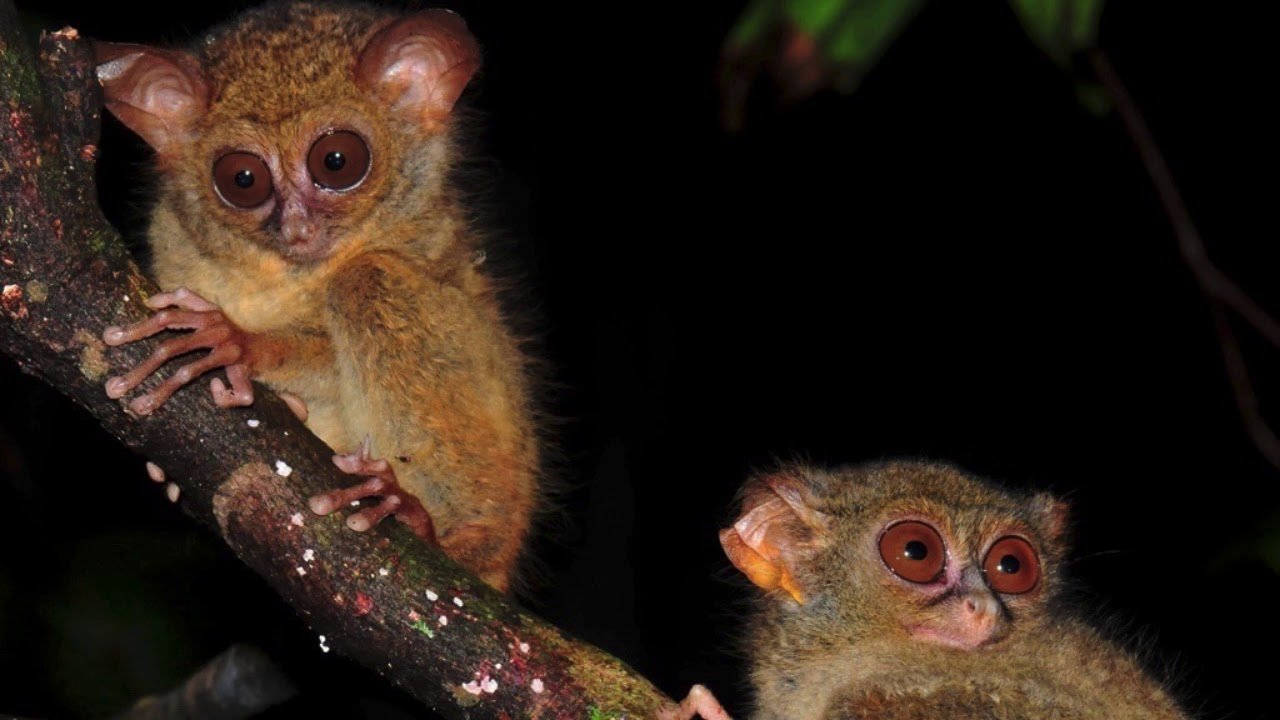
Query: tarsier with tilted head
{"points": [[308, 234], [913, 591]]}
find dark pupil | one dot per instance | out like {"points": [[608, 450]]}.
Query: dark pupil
{"points": [[244, 179], [1009, 564], [335, 160], [915, 550]]}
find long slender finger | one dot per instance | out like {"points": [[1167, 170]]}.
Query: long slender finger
{"points": [[118, 386], [181, 297], [325, 503], [705, 704], [368, 517], [699, 703], [148, 403], [418, 520], [163, 320], [241, 392]]}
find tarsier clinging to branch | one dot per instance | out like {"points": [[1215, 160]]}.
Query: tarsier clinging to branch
{"points": [[913, 591], [308, 232]]}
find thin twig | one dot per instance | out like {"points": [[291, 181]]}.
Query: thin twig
{"points": [[1246, 399], [1220, 290]]}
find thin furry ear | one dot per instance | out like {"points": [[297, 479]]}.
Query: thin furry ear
{"points": [[777, 530], [158, 94], [420, 64], [1055, 515]]}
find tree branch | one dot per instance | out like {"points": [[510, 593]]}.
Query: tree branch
{"points": [[1221, 291], [383, 598]]}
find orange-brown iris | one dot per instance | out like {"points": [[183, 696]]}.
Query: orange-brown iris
{"points": [[338, 160], [1012, 566], [242, 179], [913, 551]]}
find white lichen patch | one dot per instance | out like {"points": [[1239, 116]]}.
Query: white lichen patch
{"points": [[253, 422], [308, 555], [482, 683], [536, 686], [283, 469], [432, 596]]}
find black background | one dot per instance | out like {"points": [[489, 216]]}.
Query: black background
{"points": [[956, 262]]}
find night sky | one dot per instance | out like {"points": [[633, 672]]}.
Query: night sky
{"points": [[956, 262]]}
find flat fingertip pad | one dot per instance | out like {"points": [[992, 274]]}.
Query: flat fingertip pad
{"points": [[322, 504], [116, 387], [347, 463], [155, 473], [295, 404], [144, 405]]}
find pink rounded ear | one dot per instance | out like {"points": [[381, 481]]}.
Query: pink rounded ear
{"points": [[776, 531], [420, 64], [158, 94]]}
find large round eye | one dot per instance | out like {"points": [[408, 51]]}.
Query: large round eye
{"points": [[1012, 566], [913, 551], [338, 160], [242, 179]]}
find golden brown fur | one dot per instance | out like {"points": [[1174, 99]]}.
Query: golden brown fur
{"points": [[395, 333]]}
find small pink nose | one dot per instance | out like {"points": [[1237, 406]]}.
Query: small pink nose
{"points": [[297, 233], [981, 607], [297, 226]]}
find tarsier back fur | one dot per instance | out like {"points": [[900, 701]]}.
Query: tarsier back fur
{"points": [[366, 302], [848, 629]]}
